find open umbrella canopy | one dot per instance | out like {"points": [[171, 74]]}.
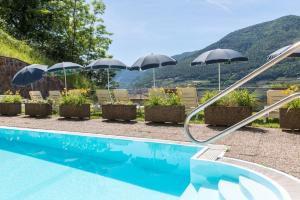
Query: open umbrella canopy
{"points": [[29, 74], [281, 50], [152, 61], [219, 56], [64, 66], [105, 63]]}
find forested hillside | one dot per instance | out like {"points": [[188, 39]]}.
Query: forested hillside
{"points": [[255, 42]]}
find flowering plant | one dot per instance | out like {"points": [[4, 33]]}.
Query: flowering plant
{"points": [[11, 97], [296, 103]]}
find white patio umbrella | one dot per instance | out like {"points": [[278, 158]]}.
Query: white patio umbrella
{"points": [[152, 61], [219, 56], [106, 63], [64, 66]]}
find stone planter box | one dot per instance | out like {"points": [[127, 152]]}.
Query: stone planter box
{"points": [[10, 109], [174, 114], [38, 109], [225, 116], [119, 112], [76, 111], [289, 118]]}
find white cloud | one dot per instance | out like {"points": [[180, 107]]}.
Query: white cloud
{"points": [[223, 4]]}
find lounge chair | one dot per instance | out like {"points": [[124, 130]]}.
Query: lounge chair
{"points": [[121, 95], [156, 92], [36, 96], [103, 96], [54, 95], [274, 96], [188, 97]]}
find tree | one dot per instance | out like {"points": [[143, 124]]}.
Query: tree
{"points": [[69, 30]]}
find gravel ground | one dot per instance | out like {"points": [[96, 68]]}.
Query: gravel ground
{"points": [[270, 147]]}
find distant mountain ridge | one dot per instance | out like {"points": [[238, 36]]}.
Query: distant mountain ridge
{"points": [[255, 42]]}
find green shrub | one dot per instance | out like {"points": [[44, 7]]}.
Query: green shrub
{"points": [[243, 98], [281, 85], [154, 101], [10, 97], [236, 98], [169, 99], [293, 104], [172, 99], [207, 96], [75, 97]]}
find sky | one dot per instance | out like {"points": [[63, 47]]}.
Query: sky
{"points": [[172, 27]]}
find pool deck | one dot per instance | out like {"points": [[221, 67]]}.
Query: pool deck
{"points": [[269, 147]]}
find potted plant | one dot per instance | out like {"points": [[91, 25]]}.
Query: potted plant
{"points": [[119, 111], [289, 115], [74, 103], [230, 110], [41, 108], [280, 86], [164, 108], [10, 104]]}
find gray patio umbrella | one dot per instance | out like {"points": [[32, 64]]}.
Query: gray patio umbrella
{"points": [[29, 74], [219, 56], [64, 66], [152, 61], [281, 50], [106, 63]]}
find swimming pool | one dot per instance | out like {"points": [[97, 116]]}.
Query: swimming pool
{"points": [[59, 165]]}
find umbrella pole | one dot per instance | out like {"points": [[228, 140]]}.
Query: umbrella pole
{"points": [[108, 85], [219, 77], [153, 70], [65, 79]]}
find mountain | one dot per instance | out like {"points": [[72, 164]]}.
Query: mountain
{"points": [[255, 42]]}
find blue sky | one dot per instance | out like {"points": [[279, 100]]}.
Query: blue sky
{"points": [[176, 26]]}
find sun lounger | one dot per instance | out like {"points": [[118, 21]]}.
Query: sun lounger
{"points": [[103, 97], [121, 95], [188, 97], [54, 95], [156, 92], [274, 96], [36, 96]]}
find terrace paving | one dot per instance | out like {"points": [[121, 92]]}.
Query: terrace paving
{"points": [[270, 147]]}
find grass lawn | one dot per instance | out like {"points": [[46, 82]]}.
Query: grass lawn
{"points": [[11, 47]]}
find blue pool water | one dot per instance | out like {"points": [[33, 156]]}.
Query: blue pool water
{"points": [[43, 165]]}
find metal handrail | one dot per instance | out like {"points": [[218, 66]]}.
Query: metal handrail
{"points": [[221, 94]]}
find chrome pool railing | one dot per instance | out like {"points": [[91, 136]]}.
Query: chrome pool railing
{"points": [[231, 88]]}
